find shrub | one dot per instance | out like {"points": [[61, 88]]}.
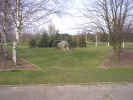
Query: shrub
{"points": [[32, 43]]}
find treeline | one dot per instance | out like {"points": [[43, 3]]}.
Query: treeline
{"points": [[46, 40]]}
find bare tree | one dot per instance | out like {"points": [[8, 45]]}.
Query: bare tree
{"points": [[51, 29], [3, 31], [26, 12], [111, 17]]}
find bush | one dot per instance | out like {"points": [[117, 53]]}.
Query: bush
{"points": [[32, 43], [45, 40]]}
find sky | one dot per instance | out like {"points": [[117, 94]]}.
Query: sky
{"points": [[71, 21]]}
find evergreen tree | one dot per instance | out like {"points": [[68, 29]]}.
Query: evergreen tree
{"points": [[32, 43], [44, 40]]}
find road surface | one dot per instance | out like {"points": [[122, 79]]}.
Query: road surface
{"points": [[123, 91]]}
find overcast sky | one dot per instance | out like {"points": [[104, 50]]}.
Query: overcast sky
{"points": [[70, 22]]}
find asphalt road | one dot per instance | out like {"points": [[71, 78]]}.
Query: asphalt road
{"points": [[68, 92]]}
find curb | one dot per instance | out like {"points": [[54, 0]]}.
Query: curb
{"points": [[61, 84]]}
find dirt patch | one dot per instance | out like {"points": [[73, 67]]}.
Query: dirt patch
{"points": [[7, 64], [126, 60]]}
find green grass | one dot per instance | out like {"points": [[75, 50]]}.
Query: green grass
{"points": [[101, 44], [104, 44], [79, 66]]}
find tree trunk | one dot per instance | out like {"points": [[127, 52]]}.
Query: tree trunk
{"points": [[3, 33], [14, 51], [15, 43], [4, 40], [4, 45], [116, 54]]}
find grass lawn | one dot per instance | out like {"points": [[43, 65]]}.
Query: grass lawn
{"points": [[79, 66]]}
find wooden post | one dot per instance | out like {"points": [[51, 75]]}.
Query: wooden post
{"points": [[108, 44], [14, 58], [123, 44], [96, 41]]}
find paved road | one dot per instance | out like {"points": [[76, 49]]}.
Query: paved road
{"points": [[68, 92]]}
